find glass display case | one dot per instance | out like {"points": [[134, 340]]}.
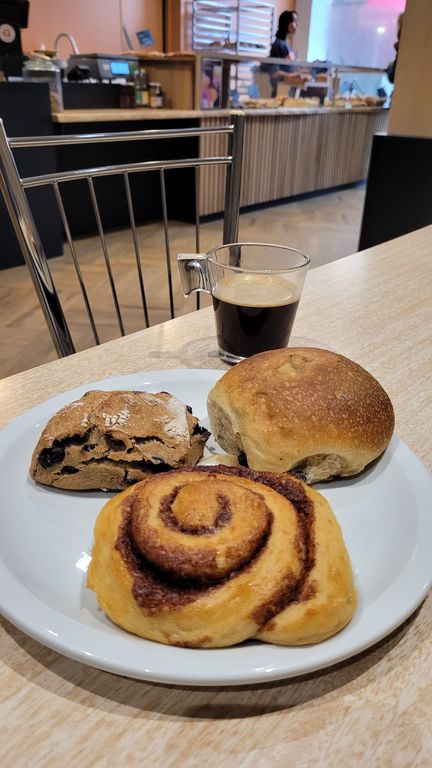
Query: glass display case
{"points": [[228, 80]]}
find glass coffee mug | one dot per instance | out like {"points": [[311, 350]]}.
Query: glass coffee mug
{"points": [[255, 288]]}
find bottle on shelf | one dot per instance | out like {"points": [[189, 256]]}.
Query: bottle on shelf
{"points": [[157, 96], [141, 85], [127, 96]]}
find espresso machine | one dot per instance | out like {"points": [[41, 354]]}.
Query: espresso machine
{"points": [[100, 67]]}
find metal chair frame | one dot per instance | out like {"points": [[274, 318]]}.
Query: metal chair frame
{"points": [[13, 188]]}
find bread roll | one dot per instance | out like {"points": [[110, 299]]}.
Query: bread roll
{"points": [[110, 440], [212, 557], [304, 410]]}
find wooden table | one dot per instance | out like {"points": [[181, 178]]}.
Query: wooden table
{"points": [[373, 710]]}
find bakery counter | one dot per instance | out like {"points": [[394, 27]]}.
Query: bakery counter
{"points": [[290, 152], [287, 151]]}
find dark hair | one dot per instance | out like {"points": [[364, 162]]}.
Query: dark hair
{"points": [[285, 19]]}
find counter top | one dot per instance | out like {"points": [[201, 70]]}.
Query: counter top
{"points": [[371, 710], [124, 115]]}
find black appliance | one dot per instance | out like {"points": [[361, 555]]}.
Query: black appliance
{"points": [[13, 18], [100, 66]]}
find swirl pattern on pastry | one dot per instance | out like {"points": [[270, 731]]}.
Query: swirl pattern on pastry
{"points": [[209, 557]]}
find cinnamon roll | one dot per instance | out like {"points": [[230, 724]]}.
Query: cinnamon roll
{"points": [[210, 557]]}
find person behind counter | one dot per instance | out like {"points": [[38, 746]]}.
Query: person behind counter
{"points": [[209, 89], [391, 68], [287, 27]]}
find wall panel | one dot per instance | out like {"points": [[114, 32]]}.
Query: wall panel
{"points": [[95, 24]]}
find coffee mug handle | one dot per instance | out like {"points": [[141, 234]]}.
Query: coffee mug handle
{"points": [[193, 272]]}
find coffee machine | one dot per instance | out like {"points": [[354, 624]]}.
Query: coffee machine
{"points": [[13, 18]]}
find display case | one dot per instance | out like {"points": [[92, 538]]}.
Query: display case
{"points": [[212, 79], [227, 80]]}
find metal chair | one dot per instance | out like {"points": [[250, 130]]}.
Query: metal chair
{"points": [[14, 187]]}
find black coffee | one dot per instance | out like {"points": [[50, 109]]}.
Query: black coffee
{"points": [[254, 314]]}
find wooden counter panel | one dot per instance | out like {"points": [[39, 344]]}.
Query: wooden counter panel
{"points": [[291, 154], [212, 179]]}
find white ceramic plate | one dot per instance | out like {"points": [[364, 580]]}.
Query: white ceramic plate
{"points": [[46, 537]]}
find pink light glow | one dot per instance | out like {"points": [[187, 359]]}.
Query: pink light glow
{"points": [[390, 5]]}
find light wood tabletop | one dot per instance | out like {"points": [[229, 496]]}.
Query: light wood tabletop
{"points": [[372, 710]]}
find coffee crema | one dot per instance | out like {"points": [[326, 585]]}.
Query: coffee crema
{"points": [[254, 312]]}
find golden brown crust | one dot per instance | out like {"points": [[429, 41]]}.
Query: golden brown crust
{"points": [[302, 408], [211, 557], [110, 440]]}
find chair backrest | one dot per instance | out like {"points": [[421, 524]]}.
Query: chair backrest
{"points": [[13, 188]]}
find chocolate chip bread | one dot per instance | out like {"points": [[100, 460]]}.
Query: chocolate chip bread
{"points": [[110, 440]]}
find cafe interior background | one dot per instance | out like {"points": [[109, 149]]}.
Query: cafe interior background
{"points": [[329, 188]]}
